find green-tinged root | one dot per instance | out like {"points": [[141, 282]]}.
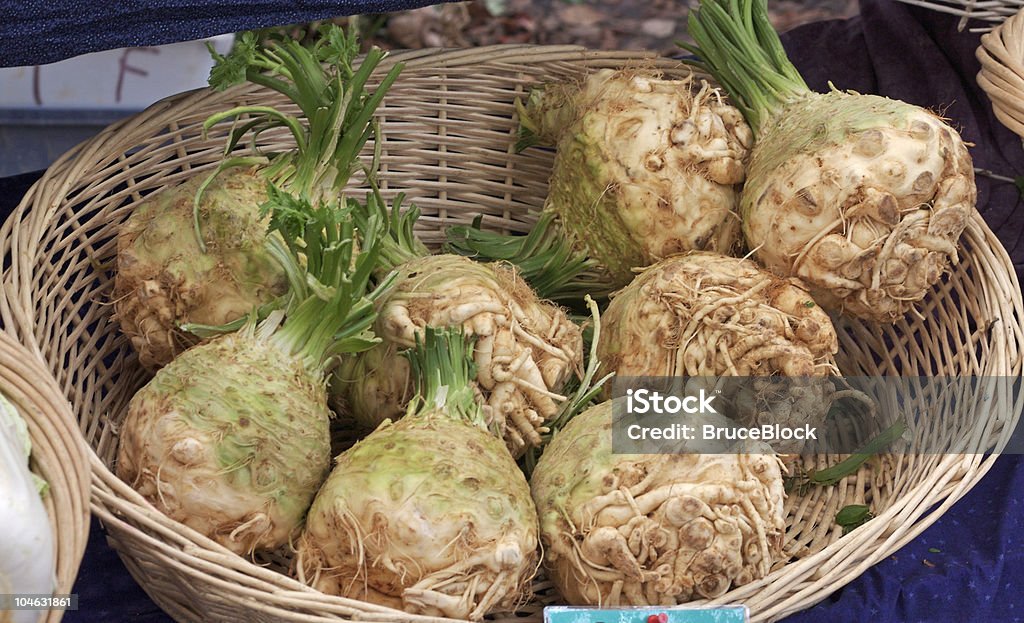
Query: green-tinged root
{"points": [[429, 515], [644, 167], [164, 279], [231, 439], [372, 386]]}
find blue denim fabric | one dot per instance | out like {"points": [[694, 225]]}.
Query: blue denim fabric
{"points": [[36, 32]]}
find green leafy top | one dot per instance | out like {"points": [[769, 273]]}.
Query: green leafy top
{"points": [[399, 244], [737, 45], [442, 365], [544, 258], [331, 307], [329, 89]]}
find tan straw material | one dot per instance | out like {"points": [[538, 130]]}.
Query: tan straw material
{"points": [[987, 13], [1001, 54], [449, 130], [59, 456]]}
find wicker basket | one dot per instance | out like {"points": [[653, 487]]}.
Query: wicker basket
{"points": [[987, 13], [59, 456], [448, 136], [1001, 55]]}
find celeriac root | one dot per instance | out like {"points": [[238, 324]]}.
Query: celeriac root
{"points": [[638, 530]]}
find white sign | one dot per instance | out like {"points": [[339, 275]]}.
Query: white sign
{"points": [[127, 79]]}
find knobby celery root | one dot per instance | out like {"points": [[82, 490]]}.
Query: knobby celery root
{"points": [[862, 197], [195, 253], [655, 529], [645, 167], [706, 315], [526, 348], [232, 437], [164, 278], [703, 314]]}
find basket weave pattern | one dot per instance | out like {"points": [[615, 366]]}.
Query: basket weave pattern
{"points": [[988, 13], [1001, 55], [59, 456], [448, 143]]}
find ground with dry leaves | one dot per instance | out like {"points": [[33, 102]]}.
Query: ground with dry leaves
{"points": [[605, 24]]}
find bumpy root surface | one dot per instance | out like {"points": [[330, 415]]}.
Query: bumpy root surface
{"points": [[231, 439], [791, 403], [866, 208], [526, 349], [638, 530], [645, 167], [164, 279], [428, 515], [703, 314]]}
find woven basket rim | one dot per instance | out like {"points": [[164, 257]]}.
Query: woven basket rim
{"points": [[435, 57], [986, 14], [59, 453], [1001, 56], [811, 578]]}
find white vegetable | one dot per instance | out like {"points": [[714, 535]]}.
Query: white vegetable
{"points": [[644, 167], [27, 557], [862, 197]]}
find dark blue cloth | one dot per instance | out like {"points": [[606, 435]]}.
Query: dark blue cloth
{"points": [[36, 32], [968, 566]]}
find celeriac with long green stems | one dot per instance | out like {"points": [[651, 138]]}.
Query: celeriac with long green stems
{"points": [[645, 167], [195, 252], [862, 197], [526, 349], [428, 514], [232, 437]]}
